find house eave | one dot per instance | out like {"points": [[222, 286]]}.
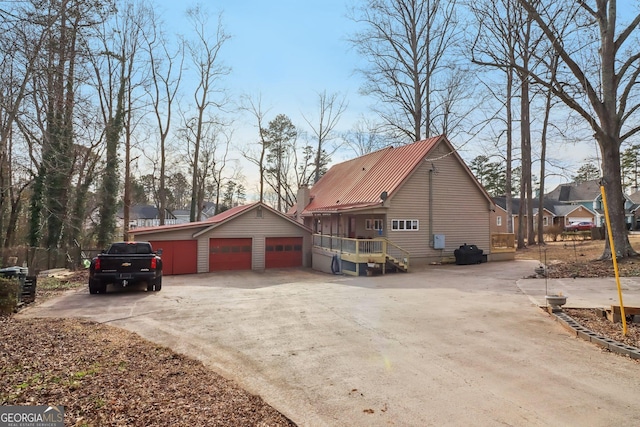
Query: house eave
{"points": [[342, 209]]}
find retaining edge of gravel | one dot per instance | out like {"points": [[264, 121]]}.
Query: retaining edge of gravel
{"points": [[588, 335]]}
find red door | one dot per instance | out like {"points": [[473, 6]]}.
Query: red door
{"points": [[230, 254], [178, 256], [283, 252]]}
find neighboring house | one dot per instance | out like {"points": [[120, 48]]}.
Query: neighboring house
{"points": [[182, 216], [550, 216], [249, 237], [571, 202], [635, 198], [499, 219], [144, 216], [588, 195], [415, 203]]}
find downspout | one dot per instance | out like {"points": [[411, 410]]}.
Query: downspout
{"points": [[431, 206]]}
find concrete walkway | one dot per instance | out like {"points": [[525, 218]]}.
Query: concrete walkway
{"points": [[583, 293], [442, 346]]}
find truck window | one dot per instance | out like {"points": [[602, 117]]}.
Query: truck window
{"points": [[128, 248]]}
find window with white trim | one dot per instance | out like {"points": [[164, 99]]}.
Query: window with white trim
{"points": [[498, 221], [405, 224], [545, 221], [373, 224]]}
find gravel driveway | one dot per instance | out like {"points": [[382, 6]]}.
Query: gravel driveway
{"points": [[445, 345]]}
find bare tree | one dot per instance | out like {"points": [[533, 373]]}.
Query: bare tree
{"points": [[113, 67], [365, 137], [135, 20], [257, 157], [221, 161], [62, 66], [495, 46], [330, 109], [166, 68], [204, 53], [407, 44], [526, 46], [507, 40], [280, 137], [553, 68], [24, 33], [598, 80], [16, 178]]}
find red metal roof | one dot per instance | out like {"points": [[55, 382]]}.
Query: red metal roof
{"points": [[206, 223], [230, 212], [358, 183], [212, 222]]}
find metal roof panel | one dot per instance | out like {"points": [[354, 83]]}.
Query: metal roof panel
{"points": [[360, 182]]}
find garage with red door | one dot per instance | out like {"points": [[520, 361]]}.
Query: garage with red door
{"points": [[178, 256], [283, 252], [248, 237], [230, 254]]}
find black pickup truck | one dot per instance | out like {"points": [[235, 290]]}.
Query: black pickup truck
{"points": [[126, 264]]}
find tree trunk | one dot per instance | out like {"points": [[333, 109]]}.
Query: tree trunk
{"points": [[109, 189], [509, 168], [615, 200]]}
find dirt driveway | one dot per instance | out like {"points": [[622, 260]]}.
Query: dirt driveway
{"points": [[447, 345]]}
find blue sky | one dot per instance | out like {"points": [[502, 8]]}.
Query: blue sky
{"points": [[285, 50], [288, 51]]}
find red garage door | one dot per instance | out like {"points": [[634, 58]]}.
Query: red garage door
{"points": [[283, 252], [230, 254], [178, 256]]}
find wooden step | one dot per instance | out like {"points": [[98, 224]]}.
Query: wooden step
{"points": [[614, 313]]}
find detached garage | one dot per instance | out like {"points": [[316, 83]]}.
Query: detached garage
{"points": [[178, 256], [230, 254], [250, 237], [283, 252]]}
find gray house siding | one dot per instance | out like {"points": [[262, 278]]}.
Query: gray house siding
{"points": [[466, 217], [411, 202], [460, 212]]}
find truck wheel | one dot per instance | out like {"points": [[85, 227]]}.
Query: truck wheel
{"points": [[156, 286], [96, 287]]}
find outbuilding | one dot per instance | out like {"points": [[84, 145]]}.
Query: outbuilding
{"points": [[248, 237]]}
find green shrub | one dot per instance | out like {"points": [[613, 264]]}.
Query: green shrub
{"points": [[8, 295]]}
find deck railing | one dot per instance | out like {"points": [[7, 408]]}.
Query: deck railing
{"points": [[362, 250]]}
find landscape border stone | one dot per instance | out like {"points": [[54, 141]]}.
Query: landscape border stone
{"points": [[588, 335]]}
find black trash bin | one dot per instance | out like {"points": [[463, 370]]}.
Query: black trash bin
{"points": [[468, 254], [27, 290]]}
